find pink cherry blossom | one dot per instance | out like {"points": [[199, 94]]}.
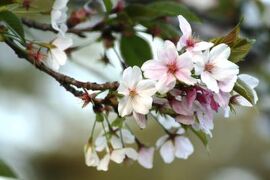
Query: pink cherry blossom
{"points": [[188, 41], [169, 67], [217, 72]]}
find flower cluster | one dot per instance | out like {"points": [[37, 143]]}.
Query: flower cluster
{"points": [[181, 89]]}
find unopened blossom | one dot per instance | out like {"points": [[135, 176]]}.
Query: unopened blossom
{"points": [[56, 56], [188, 41], [146, 157], [217, 72], [136, 91], [178, 146], [91, 157], [59, 16], [250, 82], [169, 67]]}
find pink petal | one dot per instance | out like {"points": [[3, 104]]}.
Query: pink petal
{"points": [[140, 119], [146, 156], [184, 26], [201, 46], [187, 120], [167, 151]]}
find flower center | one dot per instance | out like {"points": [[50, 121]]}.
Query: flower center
{"points": [[208, 67], [132, 92], [172, 68], [190, 42]]}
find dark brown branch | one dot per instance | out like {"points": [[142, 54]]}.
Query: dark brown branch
{"points": [[61, 78]]}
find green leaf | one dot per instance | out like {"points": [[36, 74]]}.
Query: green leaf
{"points": [[244, 90], [166, 31], [202, 136], [170, 8], [108, 5], [13, 22], [99, 117], [138, 13], [6, 171], [240, 47], [135, 50]]}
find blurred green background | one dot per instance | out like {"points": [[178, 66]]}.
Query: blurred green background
{"points": [[43, 128]]}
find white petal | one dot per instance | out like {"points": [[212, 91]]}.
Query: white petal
{"points": [[100, 143], [227, 85], [131, 76], [184, 61], [167, 151], [249, 80], [146, 156], [142, 104], [123, 89], [131, 153], [60, 4], [183, 147], [184, 26], [62, 43], [116, 142], [201, 46], [118, 155], [127, 136], [125, 106], [59, 56], [168, 122], [146, 87], [91, 157], [140, 119], [210, 82], [222, 51], [51, 62], [240, 100], [161, 140], [104, 163]]}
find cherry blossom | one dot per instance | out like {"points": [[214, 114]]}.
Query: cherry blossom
{"points": [[59, 16], [56, 56], [178, 146], [188, 41], [216, 71], [146, 156], [119, 155], [91, 157], [169, 67], [136, 91]]}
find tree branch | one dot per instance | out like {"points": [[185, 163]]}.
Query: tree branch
{"points": [[64, 80]]}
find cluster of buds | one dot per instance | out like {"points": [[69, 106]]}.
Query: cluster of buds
{"points": [[182, 89]]}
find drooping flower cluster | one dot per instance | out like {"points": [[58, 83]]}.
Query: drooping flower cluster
{"points": [[181, 89]]}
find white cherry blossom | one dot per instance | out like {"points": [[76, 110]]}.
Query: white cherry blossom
{"points": [[56, 56], [137, 92], [91, 157], [180, 147]]}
